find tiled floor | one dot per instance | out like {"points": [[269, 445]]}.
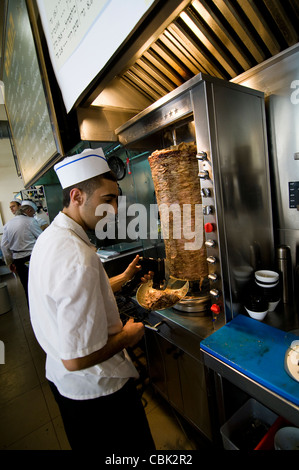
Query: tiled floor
{"points": [[29, 416]]}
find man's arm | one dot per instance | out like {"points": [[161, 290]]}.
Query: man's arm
{"points": [[5, 247], [35, 228], [117, 282], [129, 336]]}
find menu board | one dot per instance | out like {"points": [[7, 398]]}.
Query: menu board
{"points": [[83, 35], [25, 99]]}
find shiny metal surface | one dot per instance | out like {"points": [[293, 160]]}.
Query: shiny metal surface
{"points": [[234, 136], [197, 306], [278, 77], [222, 38]]}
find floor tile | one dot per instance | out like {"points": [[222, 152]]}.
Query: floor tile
{"points": [[17, 381], [42, 438], [21, 416], [165, 426], [60, 433]]}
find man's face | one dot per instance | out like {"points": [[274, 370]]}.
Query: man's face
{"points": [[14, 206], [30, 211], [107, 193]]}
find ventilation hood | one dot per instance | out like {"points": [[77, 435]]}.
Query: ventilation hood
{"points": [[221, 38]]}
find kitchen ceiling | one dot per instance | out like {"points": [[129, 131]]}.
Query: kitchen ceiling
{"points": [[222, 38]]}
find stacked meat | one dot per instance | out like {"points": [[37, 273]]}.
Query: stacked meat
{"points": [[176, 182]]}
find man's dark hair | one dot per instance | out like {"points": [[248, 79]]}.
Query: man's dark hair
{"points": [[87, 186]]}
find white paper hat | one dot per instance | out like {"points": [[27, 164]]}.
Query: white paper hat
{"points": [[29, 203], [16, 200], [81, 167]]}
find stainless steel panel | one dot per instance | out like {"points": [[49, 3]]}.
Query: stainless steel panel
{"points": [[160, 117], [278, 78], [180, 379], [239, 181]]}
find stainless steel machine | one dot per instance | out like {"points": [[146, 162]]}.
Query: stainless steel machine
{"points": [[227, 122], [278, 78]]}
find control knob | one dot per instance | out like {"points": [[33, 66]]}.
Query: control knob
{"points": [[202, 155], [215, 293], [213, 277], [204, 174], [209, 227], [216, 309], [207, 210], [205, 192]]}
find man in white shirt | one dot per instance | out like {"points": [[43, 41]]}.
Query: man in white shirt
{"points": [[76, 320], [18, 239], [30, 209]]}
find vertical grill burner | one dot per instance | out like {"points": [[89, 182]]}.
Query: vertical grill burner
{"points": [[176, 181], [233, 169], [197, 300]]}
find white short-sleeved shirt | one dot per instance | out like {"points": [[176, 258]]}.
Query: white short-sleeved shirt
{"points": [[19, 237], [73, 310]]}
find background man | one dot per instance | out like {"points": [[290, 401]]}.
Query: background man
{"points": [[30, 209], [14, 205], [18, 239]]}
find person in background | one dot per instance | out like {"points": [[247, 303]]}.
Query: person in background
{"points": [[76, 320], [18, 239], [30, 209], [41, 218], [14, 205]]}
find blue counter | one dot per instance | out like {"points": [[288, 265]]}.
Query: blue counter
{"points": [[256, 350]]}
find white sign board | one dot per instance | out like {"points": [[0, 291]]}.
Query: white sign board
{"points": [[83, 35]]}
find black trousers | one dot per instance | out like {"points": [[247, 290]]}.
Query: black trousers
{"points": [[112, 423], [23, 272]]}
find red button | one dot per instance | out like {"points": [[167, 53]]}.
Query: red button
{"points": [[209, 227], [216, 309]]}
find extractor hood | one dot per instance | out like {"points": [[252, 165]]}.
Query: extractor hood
{"points": [[221, 38]]}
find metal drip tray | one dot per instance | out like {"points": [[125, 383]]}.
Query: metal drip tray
{"points": [[196, 306]]}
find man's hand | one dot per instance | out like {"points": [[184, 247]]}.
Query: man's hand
{"points": [[133, 268], [134, 332], [129, 335], [13, 268], [118, 281]]}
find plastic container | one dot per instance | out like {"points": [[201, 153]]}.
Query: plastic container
{"points": [[267, 442], [245, 429]]}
